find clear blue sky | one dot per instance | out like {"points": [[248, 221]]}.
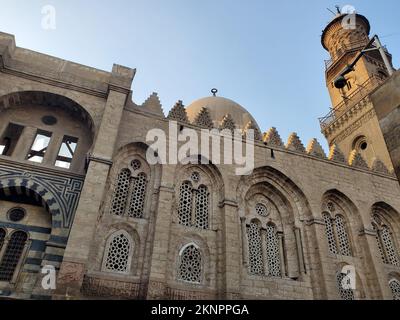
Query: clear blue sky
{"points": [[266, 55]]}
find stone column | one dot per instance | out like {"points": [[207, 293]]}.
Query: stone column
{"points": [[76, 255], [159, 257], [282, 254], [378, 272], [231, 232], [24, 143], [52, 151], [299, 245], [245, 245]]}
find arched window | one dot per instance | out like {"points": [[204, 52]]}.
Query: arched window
{"points": [[201, 209], [2, 236], [336, 231], [185, 204], [394, 285], [385, 242], [12, 255], [138, 196], [330, 233], [118, 253], [343, 238], [196, 214], [121, 193], [264, 249], [273, 254], [255, 248], [344, 293], [190, 264], [132, 186]]}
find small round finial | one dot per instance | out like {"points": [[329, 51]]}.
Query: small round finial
{"points": [[214, 91]]}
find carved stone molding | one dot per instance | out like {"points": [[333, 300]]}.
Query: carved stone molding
{"points": [[109, 288], [354, 126]]}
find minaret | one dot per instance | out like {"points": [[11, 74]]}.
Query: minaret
{"points": [[352, 123]]}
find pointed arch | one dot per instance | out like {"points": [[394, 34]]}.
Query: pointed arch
{"points": [[118, 252], [190, 265]]}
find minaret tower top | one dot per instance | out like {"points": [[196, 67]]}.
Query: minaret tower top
{"points": [[351, 122], [345, 31]]}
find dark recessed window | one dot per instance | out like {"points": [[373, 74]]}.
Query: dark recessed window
{"points": [[10, 138], [16, 214], [49, 120], [364, 145]]}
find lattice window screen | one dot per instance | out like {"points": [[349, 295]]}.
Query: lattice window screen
{"points": [[12, 255], [190, 265], [343, 238], [379, 244], [345, 294], [185, 204], [118, 253], [330, 233], [121, 192], [273, 253], [255, 249], [138, 197], [261, 210], [395, 288], [201, 209], [389, 246], [2, 236]]}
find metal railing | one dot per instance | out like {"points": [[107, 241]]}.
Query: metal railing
{"points": [[350, 101], [343, 50]]}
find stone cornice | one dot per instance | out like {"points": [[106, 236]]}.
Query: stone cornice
{"points": [[100, 160], [52, 82], [340, 126]]}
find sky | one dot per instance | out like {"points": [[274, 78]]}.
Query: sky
{"points": [[265, 55]]}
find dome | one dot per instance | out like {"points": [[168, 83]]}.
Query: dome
{"points": [[218, 107]]}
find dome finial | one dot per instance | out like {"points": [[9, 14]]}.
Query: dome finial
{"points": [[214, 91]]}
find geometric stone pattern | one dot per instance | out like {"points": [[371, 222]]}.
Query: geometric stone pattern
{"points": [[273, 254], [12, 255], [394, 285], [335, 154], [255, 249], [392, 256], [330, 233], [138, 196], [203, 119], [356, 160], [200, 209], [294, 143], [98, 287], [273, 138], [60, 193], [121, 193], [190, 265], [118, 253], [178, 113], [343, 239], [315, 149]]}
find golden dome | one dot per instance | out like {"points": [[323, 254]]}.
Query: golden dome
{"points": [[218, 107]]}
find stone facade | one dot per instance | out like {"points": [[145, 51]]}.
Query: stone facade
{"points": [[115, 227]]}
